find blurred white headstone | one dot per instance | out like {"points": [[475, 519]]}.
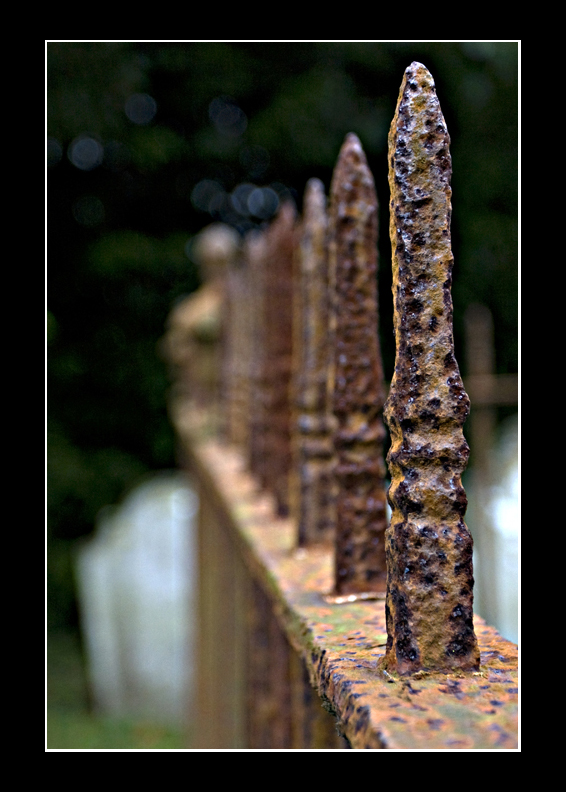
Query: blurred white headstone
{"points": [[506, 520], [136, 592], [498, 508]]}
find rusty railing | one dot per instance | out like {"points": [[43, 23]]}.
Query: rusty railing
{"points": [[322, 623]]}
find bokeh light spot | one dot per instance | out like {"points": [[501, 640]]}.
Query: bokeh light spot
{"points": [[204, 192], [140, 108], [263, 202], [229, 119], [85, 153], [240, 196]]}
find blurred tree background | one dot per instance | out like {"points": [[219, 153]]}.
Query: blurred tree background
{"points": [[149, 142]]}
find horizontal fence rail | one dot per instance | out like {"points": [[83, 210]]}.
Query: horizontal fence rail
{"points": [[323, 622]]}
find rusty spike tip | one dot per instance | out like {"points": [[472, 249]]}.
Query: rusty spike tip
{"points": [[429, 548], [314, 447], [352, 141], [314, 202], [356, 377], [287, 213], [352, 155]]}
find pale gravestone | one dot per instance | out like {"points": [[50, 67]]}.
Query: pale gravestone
{"points": [[506, 520], [496, 557], [136, 595]]}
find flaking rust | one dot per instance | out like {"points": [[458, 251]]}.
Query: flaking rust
{"points": [[429, 604], [313, 435], [356, 377]]}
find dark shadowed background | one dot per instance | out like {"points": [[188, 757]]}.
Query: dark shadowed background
{"points": [[149, 142]]}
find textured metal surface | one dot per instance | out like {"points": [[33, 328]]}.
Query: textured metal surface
{"points": [[314, 448], [235, 360], [254, 255], [268, 706], [356, 379], [429, 548], [342, 646], [278, 340]]}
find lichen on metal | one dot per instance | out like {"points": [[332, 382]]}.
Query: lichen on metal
{"points": [[429, 604], [314, 450], [356, 376]]}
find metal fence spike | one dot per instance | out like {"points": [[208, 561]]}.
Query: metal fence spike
{"points": [[356, 378], [314, 452], [429, 605]]}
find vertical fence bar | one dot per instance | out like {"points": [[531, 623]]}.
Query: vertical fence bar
{"points": [[221, 661], [314, 450], [236, 343], [356, 377], [268, 688], [278, 341], [429, 604], [254, 252]]}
